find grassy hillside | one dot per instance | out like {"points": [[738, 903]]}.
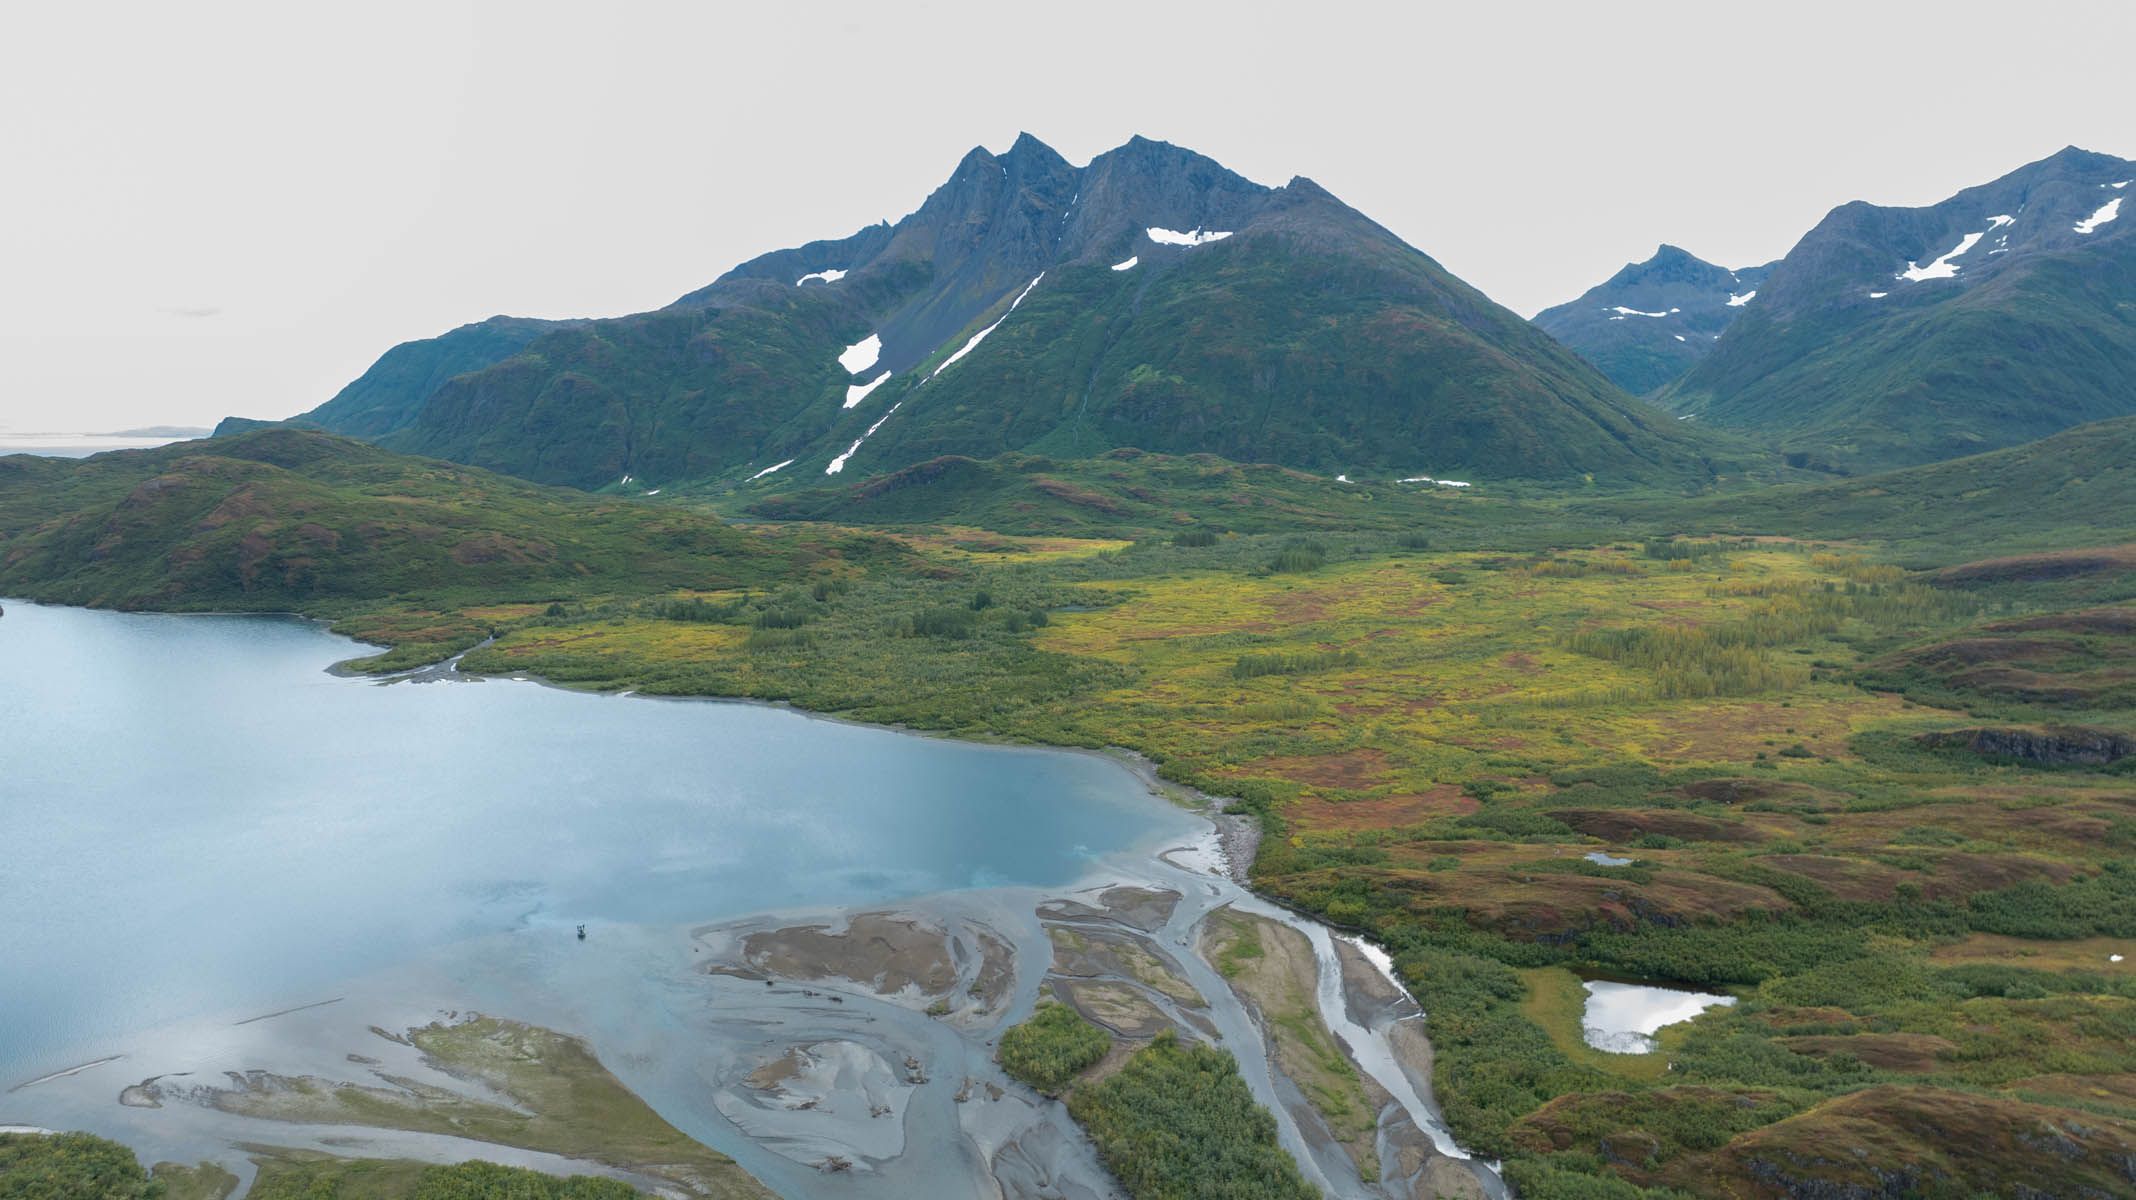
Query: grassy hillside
{"points": [[281, 517], [2075, 488], [1128, 493], [413, 550]]}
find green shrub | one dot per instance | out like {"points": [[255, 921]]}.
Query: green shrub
{"points": [[693, 609], [776, 639], [1177, 1122], [2101, 906], [955, 623], [1053, 1047], [362, 1179], [70, 1166], [783, 618], [1299, 555]]}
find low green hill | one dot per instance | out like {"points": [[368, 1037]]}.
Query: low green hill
{"points": [[285, 519], [2077, 488]]}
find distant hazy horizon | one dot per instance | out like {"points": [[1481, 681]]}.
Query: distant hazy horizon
{"points": [[237, 210]]}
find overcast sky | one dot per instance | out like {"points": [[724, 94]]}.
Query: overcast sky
{"points": [[214, 209]]}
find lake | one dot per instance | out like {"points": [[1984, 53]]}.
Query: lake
{"points": [[201, 819]]}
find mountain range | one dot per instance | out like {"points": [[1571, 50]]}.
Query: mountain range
{"points": [[1893, 336], [1150, 299], [1154, 300]]}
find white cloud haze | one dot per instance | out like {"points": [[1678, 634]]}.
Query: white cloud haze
{"points": [[212, 209]]}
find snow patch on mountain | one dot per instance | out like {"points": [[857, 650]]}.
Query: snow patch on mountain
{"points": [[1623, 312], [1735, 301], [831, 276], [855, 393], [1942, 268], [768, 470], [1194, 237], [1129, 265], [838, 463], [2107, 212], [980, 336], [862, 354]]}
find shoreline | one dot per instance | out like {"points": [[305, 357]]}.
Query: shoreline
{"points": [[1233, 838]]}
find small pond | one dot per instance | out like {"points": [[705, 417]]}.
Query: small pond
{"points": [[1622, 1018]]}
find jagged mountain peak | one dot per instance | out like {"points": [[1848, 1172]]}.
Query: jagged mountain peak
{"points": [[1028, 146], [1653, 320], [1669, 263]]}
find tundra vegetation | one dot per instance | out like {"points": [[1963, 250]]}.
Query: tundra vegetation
{"points": [[1434, 739], [1869, 746]]}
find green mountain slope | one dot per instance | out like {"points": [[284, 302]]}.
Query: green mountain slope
{"points": [[1151, 298], [1888, 336], [385, 397], [1312, 338], [671, 395]]}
